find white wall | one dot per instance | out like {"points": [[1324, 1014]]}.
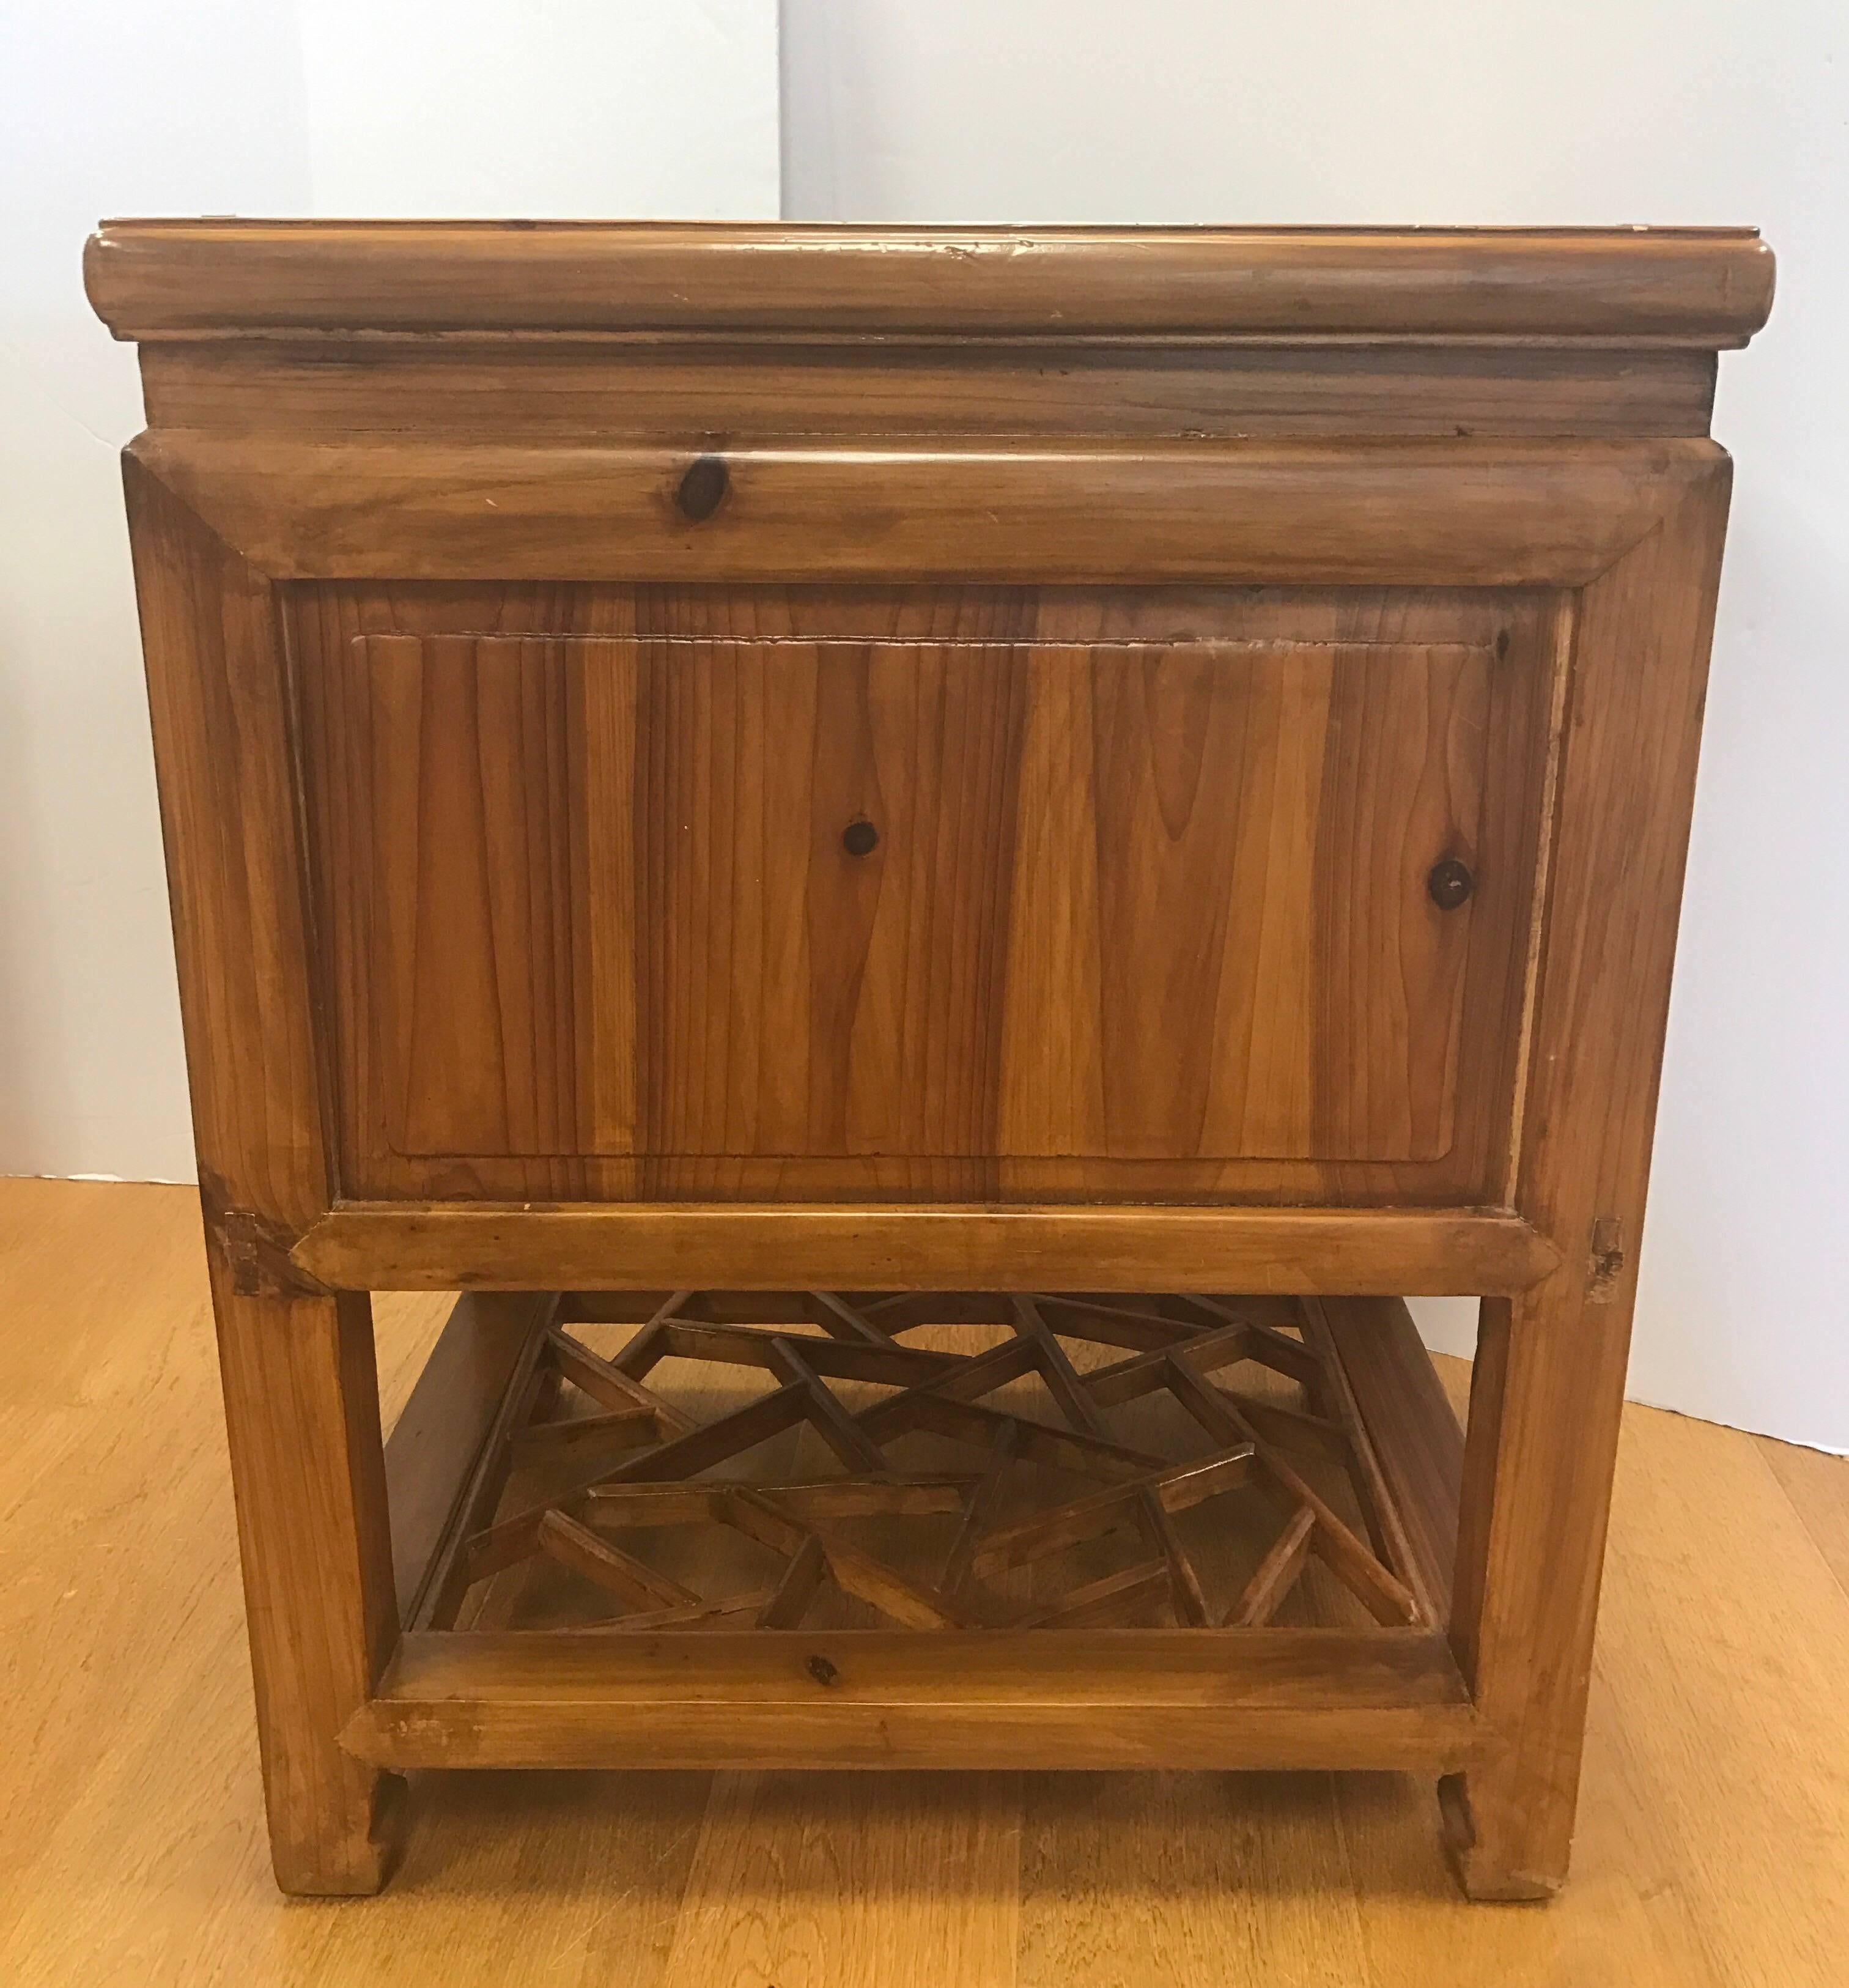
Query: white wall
{"points": [[564, 109], [261, 107], [1528, 110]]}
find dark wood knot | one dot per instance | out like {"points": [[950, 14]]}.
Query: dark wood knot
{"points": [[822, 1670], [702, 490], [860, 838], [1449, 884]]}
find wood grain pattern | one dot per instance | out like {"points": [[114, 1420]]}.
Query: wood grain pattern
{"points": [[218, 704], [1419, 513], [496, 1022], [587, 898], [302, 1416], [473, 900], [1221, 894], [743, 1699], [783, 1246], [569, 392], [1818, 1487], [797, 999], [300, 1403], [765, 1904], [1416, 1442], [440, 1430], [1531, 1545], [1705, 286]]}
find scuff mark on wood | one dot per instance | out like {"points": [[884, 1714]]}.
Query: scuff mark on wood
{"points": [[1606, 1264]]}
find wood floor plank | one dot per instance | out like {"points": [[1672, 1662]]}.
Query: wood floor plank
{"points": [[880, 1880], [1147, 1880], [1725, 1633], [1818, 1487]]}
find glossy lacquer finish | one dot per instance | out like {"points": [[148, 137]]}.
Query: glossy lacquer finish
{"points": [[1006, 834], [1139, 910]]}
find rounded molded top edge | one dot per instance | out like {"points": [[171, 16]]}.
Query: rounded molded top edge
{"points": [[192, 278]]}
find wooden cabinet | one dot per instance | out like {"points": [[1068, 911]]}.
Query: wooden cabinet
{"points": [[933, 868]]}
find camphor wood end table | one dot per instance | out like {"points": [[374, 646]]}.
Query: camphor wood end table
{"points": [[932, 866]]}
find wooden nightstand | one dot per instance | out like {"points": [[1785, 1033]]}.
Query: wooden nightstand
{"points": [[932, 867]]}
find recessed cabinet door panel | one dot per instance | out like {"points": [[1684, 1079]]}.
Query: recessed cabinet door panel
{"points": [[627, 900], [1222, 943]]}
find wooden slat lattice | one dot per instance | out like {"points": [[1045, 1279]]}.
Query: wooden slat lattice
{"points": [[932, 1461]]}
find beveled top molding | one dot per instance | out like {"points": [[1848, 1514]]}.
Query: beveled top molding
{"points": [[189, 279]]}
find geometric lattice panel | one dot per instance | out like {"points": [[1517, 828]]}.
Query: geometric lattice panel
{"points": [[924, 1461]]}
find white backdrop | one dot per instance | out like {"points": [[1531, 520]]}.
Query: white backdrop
{"points": [[563, 107], [1529, 111], [1671, 110]]}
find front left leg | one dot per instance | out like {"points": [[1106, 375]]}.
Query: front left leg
{"points": [[302, 1418]]}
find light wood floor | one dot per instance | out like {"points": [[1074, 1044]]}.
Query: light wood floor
{"points": [[1714, 1836]]}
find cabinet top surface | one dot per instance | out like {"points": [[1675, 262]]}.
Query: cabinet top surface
{"points": [[192, 278]]}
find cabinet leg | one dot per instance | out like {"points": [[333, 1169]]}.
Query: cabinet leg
{"points": [[1542, 1443], [302, 1417]]}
